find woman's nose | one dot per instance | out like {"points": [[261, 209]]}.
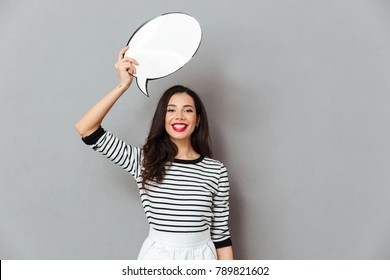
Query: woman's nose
{"points": [[180, 115]]}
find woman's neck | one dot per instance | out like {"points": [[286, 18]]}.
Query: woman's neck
{"points": [[185, 150]]}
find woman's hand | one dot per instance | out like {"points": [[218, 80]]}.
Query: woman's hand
{"points": [[125, 67], [225, 253]]}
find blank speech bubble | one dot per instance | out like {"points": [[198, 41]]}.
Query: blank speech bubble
{"points": [[163, 45]]}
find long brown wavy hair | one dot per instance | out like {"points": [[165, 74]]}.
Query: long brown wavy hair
{"points": [[159, 150]]}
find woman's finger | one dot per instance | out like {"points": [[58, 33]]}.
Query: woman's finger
{"points": [[127, 66], [124, 65], [133, 69], [129, 59], [122, 53]]}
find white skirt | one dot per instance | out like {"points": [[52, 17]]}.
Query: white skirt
{"points": [[177, 246]]}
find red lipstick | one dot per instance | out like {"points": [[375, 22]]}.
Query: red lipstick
{"points": [[179, 127]]}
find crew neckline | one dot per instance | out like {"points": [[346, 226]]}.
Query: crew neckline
{"points": [[189, 161]]}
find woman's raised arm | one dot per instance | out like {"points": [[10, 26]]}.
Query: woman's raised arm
{"points": [[94, 116]]}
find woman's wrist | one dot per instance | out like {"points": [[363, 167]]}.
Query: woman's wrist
{"points": [[122, 87]]}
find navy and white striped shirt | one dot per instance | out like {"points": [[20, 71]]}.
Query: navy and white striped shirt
{"points": [[193, 197]]}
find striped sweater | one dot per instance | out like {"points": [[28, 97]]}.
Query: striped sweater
{"points": [[193, 197]]}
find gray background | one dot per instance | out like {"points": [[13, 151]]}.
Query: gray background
{"points": [[297, 94]]}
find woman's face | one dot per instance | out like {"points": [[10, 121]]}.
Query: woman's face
{"points": [[181, 118]]}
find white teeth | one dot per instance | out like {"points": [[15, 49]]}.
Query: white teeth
{"points": [[179, 126]]}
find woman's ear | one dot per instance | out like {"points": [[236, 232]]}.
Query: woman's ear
{"points": [[197, 121]]}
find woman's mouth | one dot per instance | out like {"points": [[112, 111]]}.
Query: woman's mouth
{"points": [[179, 127]]}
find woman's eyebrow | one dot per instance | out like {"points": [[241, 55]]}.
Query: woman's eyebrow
{"points": [[173, 105]]}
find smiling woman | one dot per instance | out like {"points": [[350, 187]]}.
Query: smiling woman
{"points": [[184, 192], [179, 130], [181, 117]]}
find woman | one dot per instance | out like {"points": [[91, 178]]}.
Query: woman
{"points": [[183, 191]]}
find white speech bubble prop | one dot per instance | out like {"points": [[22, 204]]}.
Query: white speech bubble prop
{"points": [[163, 45]]}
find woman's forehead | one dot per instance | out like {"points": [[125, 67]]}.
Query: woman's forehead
{"points": [[181, 99]]}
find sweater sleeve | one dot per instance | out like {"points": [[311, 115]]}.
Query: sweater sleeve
{"points": [[122, 154], [220, 233]]}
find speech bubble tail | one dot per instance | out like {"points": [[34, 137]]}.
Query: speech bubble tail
{"points": [[143, 85]]}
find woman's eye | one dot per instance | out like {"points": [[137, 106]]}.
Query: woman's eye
{"points": [[189, 110], [170, 110]]}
